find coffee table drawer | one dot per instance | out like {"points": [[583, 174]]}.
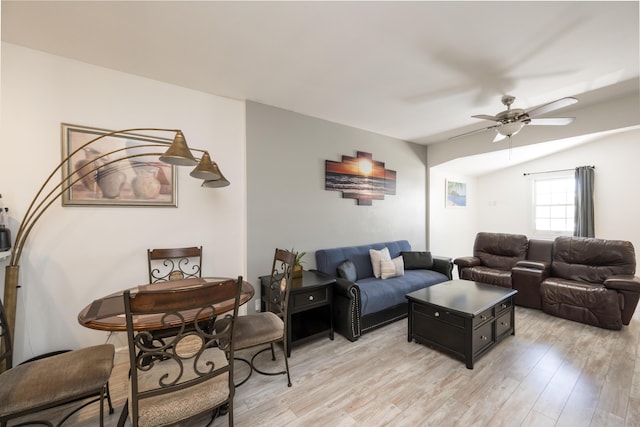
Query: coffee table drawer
{"points": [[430, 330], [504, 305], [482, 337], [503, 323], [439, 314], [485, 316]]}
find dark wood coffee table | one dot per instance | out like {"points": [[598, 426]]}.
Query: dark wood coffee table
{"points": [[461, 317]]}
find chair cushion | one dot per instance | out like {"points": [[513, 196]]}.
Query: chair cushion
{"points": [[170, 408], [256, 329], [347, 270], [44, 382]]}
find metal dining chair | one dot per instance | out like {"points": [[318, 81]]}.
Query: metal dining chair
{"points": [[43, 383], [190, 373], [270, 327]]}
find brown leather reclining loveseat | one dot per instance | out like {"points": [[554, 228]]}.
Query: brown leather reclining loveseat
{"points": [[588, 280], [591, 281], [499, 256]]}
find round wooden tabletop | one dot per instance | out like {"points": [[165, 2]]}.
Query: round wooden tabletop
{"points": [[107, 313]]}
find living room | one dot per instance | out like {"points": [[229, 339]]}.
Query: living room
{"points": [[275, 162]]}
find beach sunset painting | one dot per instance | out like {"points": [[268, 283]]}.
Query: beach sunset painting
{"points": [[360, 178]]}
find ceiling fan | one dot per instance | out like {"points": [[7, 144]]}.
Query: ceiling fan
{"points": [[512, 120]]}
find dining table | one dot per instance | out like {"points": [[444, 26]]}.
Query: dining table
{"points": [[107, 313]]}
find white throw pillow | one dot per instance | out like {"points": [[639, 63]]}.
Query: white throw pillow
{"points": [[376, 257], [392, 268]]}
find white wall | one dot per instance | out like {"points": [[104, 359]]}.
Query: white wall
{"points": [[451, 228], [77, 254], [501, 201]]}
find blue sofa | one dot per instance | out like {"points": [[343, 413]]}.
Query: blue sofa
{"points": [[368, 302]]}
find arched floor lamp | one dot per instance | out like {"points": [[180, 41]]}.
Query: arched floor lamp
{"points": [[178, 154]]}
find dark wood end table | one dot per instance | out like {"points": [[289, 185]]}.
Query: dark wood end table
{"points": [[310, 309], [461, 317]]}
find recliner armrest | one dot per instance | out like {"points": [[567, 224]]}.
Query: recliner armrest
{"points": [[537, 265], [443, 265], [467, 261], [623, 282]]}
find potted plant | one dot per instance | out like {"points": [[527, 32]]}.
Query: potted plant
{"points": [[297, 268]]}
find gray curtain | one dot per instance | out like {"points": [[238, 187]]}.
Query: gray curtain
{"points": [[584, 222]]}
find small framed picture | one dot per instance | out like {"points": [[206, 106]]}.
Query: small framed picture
{"points": [[456, 194], [116, 169]]}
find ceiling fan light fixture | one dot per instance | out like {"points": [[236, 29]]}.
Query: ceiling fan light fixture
{"points": [[510, 129]]}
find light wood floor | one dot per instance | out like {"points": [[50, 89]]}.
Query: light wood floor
{"points": [[553, 372]]}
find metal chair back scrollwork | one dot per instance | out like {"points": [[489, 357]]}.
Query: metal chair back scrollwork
{"points": [[174, 263], [189, 373]]}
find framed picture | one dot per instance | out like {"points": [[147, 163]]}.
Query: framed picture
{"points": [[456, 194], [114, 170], [360, 178]]}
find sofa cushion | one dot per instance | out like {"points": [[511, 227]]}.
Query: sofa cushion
{"points": [[490, 276], [347, 270], [327, 260], [377, 295], [415, 260], [377, 256], [391, 268], [500, 250], [591, 260], [582, 302]]}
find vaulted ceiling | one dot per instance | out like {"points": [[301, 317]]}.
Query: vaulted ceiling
{"points": [[414, 70]]}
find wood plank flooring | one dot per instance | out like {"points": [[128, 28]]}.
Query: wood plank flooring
{"points": [[553, 372]]}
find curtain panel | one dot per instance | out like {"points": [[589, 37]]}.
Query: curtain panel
{"points": [[584, 217]]}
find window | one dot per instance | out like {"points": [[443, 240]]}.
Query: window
{"points": [[553, 204]]}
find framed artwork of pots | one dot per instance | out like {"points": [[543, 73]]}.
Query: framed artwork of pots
{"points": [[117, 170]]}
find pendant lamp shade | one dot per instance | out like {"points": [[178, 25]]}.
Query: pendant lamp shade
{"points": [[206, 169], [216, 183], [178, 153]]}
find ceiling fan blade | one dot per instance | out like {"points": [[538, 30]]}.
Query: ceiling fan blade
{"points": [[486, 117], [473, 131], [560, 103], [555, 121]]}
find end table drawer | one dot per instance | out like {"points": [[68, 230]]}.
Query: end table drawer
{"points": [[303, 299]]}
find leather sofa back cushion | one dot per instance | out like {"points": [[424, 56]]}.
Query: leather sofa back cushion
{"points": [[499, 250], [591, 260], [540, 250]]}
